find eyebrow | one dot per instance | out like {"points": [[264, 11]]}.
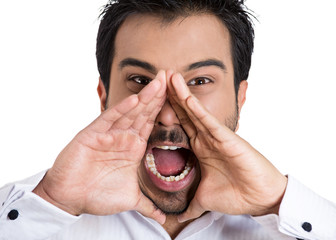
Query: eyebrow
{"points": [[152, 69], [137, 63], [207, 63]]}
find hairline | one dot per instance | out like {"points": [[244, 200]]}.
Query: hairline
{"points": [[166, 20]]}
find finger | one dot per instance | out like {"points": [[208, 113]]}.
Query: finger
{"points": [[150, 91], [171, 90], [146, 128], [151, 109], [194, 210], [201, 118], [126, 105], [180, 90], [181, 94], [183, 117], [104, 122], [146, 95], [148, 209], [218, 131], [162, 77]]}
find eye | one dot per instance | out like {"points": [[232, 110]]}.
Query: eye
{"points": [[199, 81], [139, 79]]}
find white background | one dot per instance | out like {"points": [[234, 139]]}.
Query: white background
{"points": [[48, 80]]}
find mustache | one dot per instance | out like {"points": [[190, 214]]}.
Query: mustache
{"points": [[176, 135]]}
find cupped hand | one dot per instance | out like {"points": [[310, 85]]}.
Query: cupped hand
{"points": [[96, 173], [235, 178]]}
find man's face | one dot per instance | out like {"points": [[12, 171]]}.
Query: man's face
{"points": [[198, 47]]}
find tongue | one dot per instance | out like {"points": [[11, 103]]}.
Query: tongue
{"points": [[170, 163]]}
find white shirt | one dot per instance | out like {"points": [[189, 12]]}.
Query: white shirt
{"points": [[39, 219]]}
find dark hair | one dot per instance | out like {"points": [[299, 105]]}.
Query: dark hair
{"points": [[233, 14]]}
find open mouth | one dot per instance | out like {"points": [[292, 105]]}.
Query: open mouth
{"points": [[170, 167]]}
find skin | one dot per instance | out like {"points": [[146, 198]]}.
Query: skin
{"points": [[139, 39], [101, 170]]}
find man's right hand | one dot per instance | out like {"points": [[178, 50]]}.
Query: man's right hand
{"points": [[96, 173]]}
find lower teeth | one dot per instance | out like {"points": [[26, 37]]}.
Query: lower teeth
{"points": [[152, 168]]}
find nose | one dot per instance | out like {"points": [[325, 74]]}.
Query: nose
{"points": [[167, 116]]}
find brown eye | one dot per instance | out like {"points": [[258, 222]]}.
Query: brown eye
{"points": [[140, 79], [199, 81]]}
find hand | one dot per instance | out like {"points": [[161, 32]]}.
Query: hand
{"points": [[235, 178], [96, 173]]}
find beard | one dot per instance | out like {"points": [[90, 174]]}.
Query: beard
{"points": [[173, 203]]}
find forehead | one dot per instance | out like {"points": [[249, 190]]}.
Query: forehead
{"points": [[175, 44]]}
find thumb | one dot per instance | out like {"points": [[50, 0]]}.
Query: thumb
{"points": [[148, 209], [194, 210]]}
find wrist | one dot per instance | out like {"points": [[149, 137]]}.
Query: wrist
{"points": [[275, 206], [42, 191]]}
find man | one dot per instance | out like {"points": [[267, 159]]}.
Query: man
{"points": [[162, 160]]}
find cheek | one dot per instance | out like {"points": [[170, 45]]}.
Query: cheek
{"points": [[220, 104], [118, 91]]}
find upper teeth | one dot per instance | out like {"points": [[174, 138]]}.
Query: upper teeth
{"points": [[168, 147]]}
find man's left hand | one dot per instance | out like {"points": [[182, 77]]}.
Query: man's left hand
{"points": [[236, 178]]}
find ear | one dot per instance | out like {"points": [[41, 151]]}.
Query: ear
{"points": [[102, 94], [241, 99]]}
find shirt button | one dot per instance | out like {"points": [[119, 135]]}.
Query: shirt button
{"points": [[307, 226], [13, 214]]}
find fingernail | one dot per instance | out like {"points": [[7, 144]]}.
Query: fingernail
{"points": [[162, 218], [180, 78], [163, 221], [180, 220], [169, 73], [161, 75], [176, 78]]}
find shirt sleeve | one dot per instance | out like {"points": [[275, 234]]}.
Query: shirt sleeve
{"points": [[24, 215], [303, 215]]}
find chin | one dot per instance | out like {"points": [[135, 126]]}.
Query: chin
{"points": [[170, 202], [169, 173]]}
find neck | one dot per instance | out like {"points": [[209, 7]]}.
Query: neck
{"points": [[173, 227]]}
